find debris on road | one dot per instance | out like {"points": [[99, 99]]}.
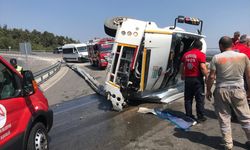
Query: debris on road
{"points": [[182, 123]]}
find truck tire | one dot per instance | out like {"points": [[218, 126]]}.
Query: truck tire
{"points": [[38, 138], [99, 65], [111, 25], [91, 62]]}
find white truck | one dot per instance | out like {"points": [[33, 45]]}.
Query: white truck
{"points": [[146, 60], [75, 52]]}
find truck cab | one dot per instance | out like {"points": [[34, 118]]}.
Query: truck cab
{"points": [[25, 117], [146, 59], [99, 51]]}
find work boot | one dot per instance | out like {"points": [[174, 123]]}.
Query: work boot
{"points": [[228, 147], [192, 117], [201, 119], [247, 145]]}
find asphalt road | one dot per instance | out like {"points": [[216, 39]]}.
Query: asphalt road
{"points": [[88, 122]]}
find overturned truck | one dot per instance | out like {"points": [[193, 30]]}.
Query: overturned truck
{"points": [[145, 60]]}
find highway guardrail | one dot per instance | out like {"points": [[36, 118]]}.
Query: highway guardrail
{"points": [[44, 74]]}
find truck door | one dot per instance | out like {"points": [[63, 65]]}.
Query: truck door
{"points": [[12, 106]]}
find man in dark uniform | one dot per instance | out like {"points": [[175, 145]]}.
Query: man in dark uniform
{"points": [[193, 70]]}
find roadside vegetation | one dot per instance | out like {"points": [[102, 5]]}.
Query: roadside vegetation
{"points": [[10, 38]]}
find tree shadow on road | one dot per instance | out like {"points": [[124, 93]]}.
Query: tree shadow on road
{"points": [[201, 138]]}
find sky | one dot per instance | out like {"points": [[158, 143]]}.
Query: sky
{"points": [[83, 19]]}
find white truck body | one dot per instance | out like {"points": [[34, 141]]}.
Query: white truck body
{"points": [[146, 62]]}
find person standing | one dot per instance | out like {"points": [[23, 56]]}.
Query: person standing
{"points": [[13, 62], [228, 68], [236, 38], [193, 70], [248, 41], [242, 46]]}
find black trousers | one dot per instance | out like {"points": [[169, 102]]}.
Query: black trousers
{"points": [[194, 88]]}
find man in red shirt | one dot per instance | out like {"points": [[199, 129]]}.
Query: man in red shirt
{"points": [[236, 38], [242, 46], [248, 41], [193, 70]]}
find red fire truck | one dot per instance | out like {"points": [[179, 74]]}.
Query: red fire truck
{"points": [[99, 51]]}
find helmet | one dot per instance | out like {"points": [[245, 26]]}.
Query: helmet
{"points": [[13, 62]]}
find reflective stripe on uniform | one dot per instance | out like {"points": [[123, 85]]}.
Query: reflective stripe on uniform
{"points": [[19, 69]]}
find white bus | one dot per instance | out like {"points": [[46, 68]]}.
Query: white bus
{"points": [[75, 52]]}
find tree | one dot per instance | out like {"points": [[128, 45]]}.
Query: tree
{"points": [[39, 41]]}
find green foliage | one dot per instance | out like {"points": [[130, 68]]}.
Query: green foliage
{"points": [[39, 40]]}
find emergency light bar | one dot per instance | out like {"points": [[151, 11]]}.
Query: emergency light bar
{"points": [[189, 20]]}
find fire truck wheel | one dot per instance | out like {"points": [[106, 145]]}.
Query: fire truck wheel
{"points": [[110, 25], [94, 63], [38, 138], [99, 65], [91, 63]]}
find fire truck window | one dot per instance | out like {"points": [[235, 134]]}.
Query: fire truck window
{"points": [[7, 83]]}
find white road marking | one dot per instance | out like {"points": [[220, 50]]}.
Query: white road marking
{"points": [[52, 84]]}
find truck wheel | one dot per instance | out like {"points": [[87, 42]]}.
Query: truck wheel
{"points": [[80, 60], [38, 138], [99, 64], [91, 62], [111, 25], [95, 63]]}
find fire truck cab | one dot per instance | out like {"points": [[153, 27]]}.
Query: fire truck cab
{"points": [[99, 51], [146, 60]]}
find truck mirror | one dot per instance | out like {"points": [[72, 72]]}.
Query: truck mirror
{"points": [[28, 79]]}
